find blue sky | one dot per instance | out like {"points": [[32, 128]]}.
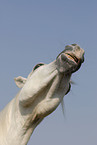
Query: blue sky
{"points": [[37, 31]]}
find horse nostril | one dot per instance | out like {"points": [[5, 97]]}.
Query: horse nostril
{"points": [[68, 48], [73, 44]]}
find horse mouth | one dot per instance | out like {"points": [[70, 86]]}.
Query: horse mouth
{"points": [[72, 57]]}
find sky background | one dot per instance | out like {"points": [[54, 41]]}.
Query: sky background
{"points": [[37, 31]]}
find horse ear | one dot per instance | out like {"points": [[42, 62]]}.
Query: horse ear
{"points": [[20, 81]]}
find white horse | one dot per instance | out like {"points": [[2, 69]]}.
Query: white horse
{"points": [[41, 93]]}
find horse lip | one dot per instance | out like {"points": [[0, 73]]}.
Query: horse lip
{"points": [[72, 57]]}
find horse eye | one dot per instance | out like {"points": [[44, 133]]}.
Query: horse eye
{"points": [[68, 89], [38, 65]]}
